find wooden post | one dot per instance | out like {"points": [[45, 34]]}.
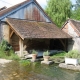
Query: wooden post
{"points": [[21, 47]]}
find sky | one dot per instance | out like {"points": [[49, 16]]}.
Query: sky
{"points": [[9, 3]]}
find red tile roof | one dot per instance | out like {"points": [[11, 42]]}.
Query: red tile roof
{"points": [[33, 29]]}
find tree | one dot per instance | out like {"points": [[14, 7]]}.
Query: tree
{"points": [[77, 4], [76, 11], [58, 10], [76, 14]]}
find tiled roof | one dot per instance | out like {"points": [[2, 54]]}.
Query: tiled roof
{"points": [[76, 24], [33, 29], [3, 12]]}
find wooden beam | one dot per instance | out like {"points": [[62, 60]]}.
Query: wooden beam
{"points": [[11, 33], [63, 44], [21, 47]]}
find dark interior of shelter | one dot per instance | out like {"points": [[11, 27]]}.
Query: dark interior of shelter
{"points": [[46, 44]]}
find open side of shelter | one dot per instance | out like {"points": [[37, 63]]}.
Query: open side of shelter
{"points": [[28, 35]]}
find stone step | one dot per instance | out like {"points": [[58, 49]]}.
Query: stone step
{"points": [[71, 67], [46, 62]]}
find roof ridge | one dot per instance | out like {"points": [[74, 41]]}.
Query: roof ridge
{"points": [[26, 20], [16, 4], [5, 11], [74, 20]]}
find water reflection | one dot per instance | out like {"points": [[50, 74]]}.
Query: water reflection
{"points": [[36, 71]]}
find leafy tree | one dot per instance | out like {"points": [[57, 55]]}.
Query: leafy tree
{"points": [[76, 11], [77, 4], [76, 14], [59, 10]]}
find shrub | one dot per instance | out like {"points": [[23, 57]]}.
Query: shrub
{"points": [[73, 54], [5, 46], [6, 51]]}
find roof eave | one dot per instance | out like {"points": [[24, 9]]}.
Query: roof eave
{"points": [[15, 30]]}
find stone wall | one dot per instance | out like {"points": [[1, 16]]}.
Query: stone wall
{"points": [[73, 43]]}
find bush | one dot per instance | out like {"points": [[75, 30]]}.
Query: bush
{"points": [[73, 54], [5, 46], [6, 51]]}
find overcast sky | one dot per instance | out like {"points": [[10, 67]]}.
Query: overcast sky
{"points": [[9, 3]]}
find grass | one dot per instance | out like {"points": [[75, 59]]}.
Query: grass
{"points": [[58, 57], [24, 62], [60, 54], [7, 52], [9, 55]]}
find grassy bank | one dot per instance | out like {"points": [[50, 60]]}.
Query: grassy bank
{"points": [[7, 52], [58, 57], [9, 55]]}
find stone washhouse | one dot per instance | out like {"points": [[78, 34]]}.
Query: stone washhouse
{"points": [[26, 26]]}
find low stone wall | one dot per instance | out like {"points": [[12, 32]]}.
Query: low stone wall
{"points": [[71, 67]]}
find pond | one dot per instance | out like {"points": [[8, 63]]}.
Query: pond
{"points": [[36, 71]]}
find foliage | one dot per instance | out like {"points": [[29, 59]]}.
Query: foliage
{"points": [[58, 57], [59, 54], [77, 5], [6, 51], [76, 14], [24, 62], [5, 46], [13, 56], [73, 54], [76, 11], [46, 53], [59, 10], [34, 52]]}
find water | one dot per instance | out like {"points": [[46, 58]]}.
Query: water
{"points": [[36, 71]]}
